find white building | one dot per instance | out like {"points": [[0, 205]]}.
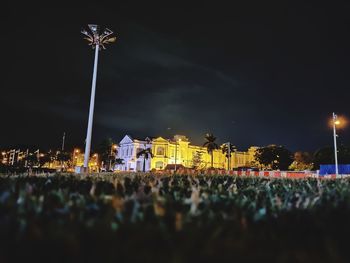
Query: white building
{"points": [[127, 151]]}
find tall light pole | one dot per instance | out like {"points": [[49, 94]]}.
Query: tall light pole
{"points": [[229, 146], [113, 154], [96, 40], [335, 122], [63, 139]]}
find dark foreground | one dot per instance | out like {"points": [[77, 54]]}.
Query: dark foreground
{"points": [[119, 218]]}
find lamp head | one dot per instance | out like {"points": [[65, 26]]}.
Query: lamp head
{"points": [[339, 121], [96, 39], [93, 28]]}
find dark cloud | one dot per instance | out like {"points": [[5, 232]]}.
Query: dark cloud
{"points": [[254, 74]]}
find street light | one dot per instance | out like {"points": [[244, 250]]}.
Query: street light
{"points": [[228, 154], [112, 154], [95, 40], [335, 122]]}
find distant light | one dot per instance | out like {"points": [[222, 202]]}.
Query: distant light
{"points": [[339, 121]]}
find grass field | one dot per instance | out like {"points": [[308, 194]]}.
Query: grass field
{"points": [[136, 217]]}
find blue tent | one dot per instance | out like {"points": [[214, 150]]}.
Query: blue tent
{"points": [[330, 169]]}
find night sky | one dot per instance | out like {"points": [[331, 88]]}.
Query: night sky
{"points": [[252, 72]]}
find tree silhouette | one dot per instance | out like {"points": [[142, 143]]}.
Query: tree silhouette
{"points": [[326, 156], [105, 150], [197, 159], [274, 157], [211, 145], [145, 153], [302, 161]]}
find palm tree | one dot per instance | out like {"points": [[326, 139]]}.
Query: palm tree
{"points": [[211, 145], [226, 149], [146, 153], [105, 152], [63, 158]]}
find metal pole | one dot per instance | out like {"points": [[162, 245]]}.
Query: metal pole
{"points": [[91, 111], [335, 144], [175, 156], [64, 137], [26, 162], [229, 156]]}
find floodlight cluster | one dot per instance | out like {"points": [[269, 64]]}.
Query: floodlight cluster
{"points": [[95, 39]]}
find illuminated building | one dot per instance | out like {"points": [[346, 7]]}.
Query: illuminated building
{"points": [[127, 150], [177, 151], [4, 157], [13, 157], [78, 160]]}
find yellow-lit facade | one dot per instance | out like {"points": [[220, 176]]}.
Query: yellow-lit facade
{"points": [[78, 160], [178, 150], [165, 151]]}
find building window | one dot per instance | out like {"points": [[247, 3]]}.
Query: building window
{"points": [[159, 165], [160, 150]]}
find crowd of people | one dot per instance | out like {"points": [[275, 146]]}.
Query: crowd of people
{"points": [[137, 217]]}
